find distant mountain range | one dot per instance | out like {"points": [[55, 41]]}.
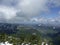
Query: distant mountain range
{"points": [[12, 28]]}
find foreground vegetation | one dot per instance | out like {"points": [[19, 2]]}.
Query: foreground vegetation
{"points": [[32, 39]]}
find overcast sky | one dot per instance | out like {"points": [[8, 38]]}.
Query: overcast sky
{"points": [[30, 11]]}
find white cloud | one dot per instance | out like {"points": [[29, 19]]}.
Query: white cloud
{"points": [[7, 12], [43, 20], [32, 7], [39, 20], [34, 19]]}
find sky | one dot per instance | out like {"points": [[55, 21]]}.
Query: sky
{"points": [[30, 11]]}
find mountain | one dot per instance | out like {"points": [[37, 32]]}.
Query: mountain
{"points": [[45, 32]]}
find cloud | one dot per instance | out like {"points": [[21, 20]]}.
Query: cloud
{"points": [[54, 3], [26, 10], [22, 10], [32, 7], [8, 2], [48, 21], [7, 12], [40, 20]]}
